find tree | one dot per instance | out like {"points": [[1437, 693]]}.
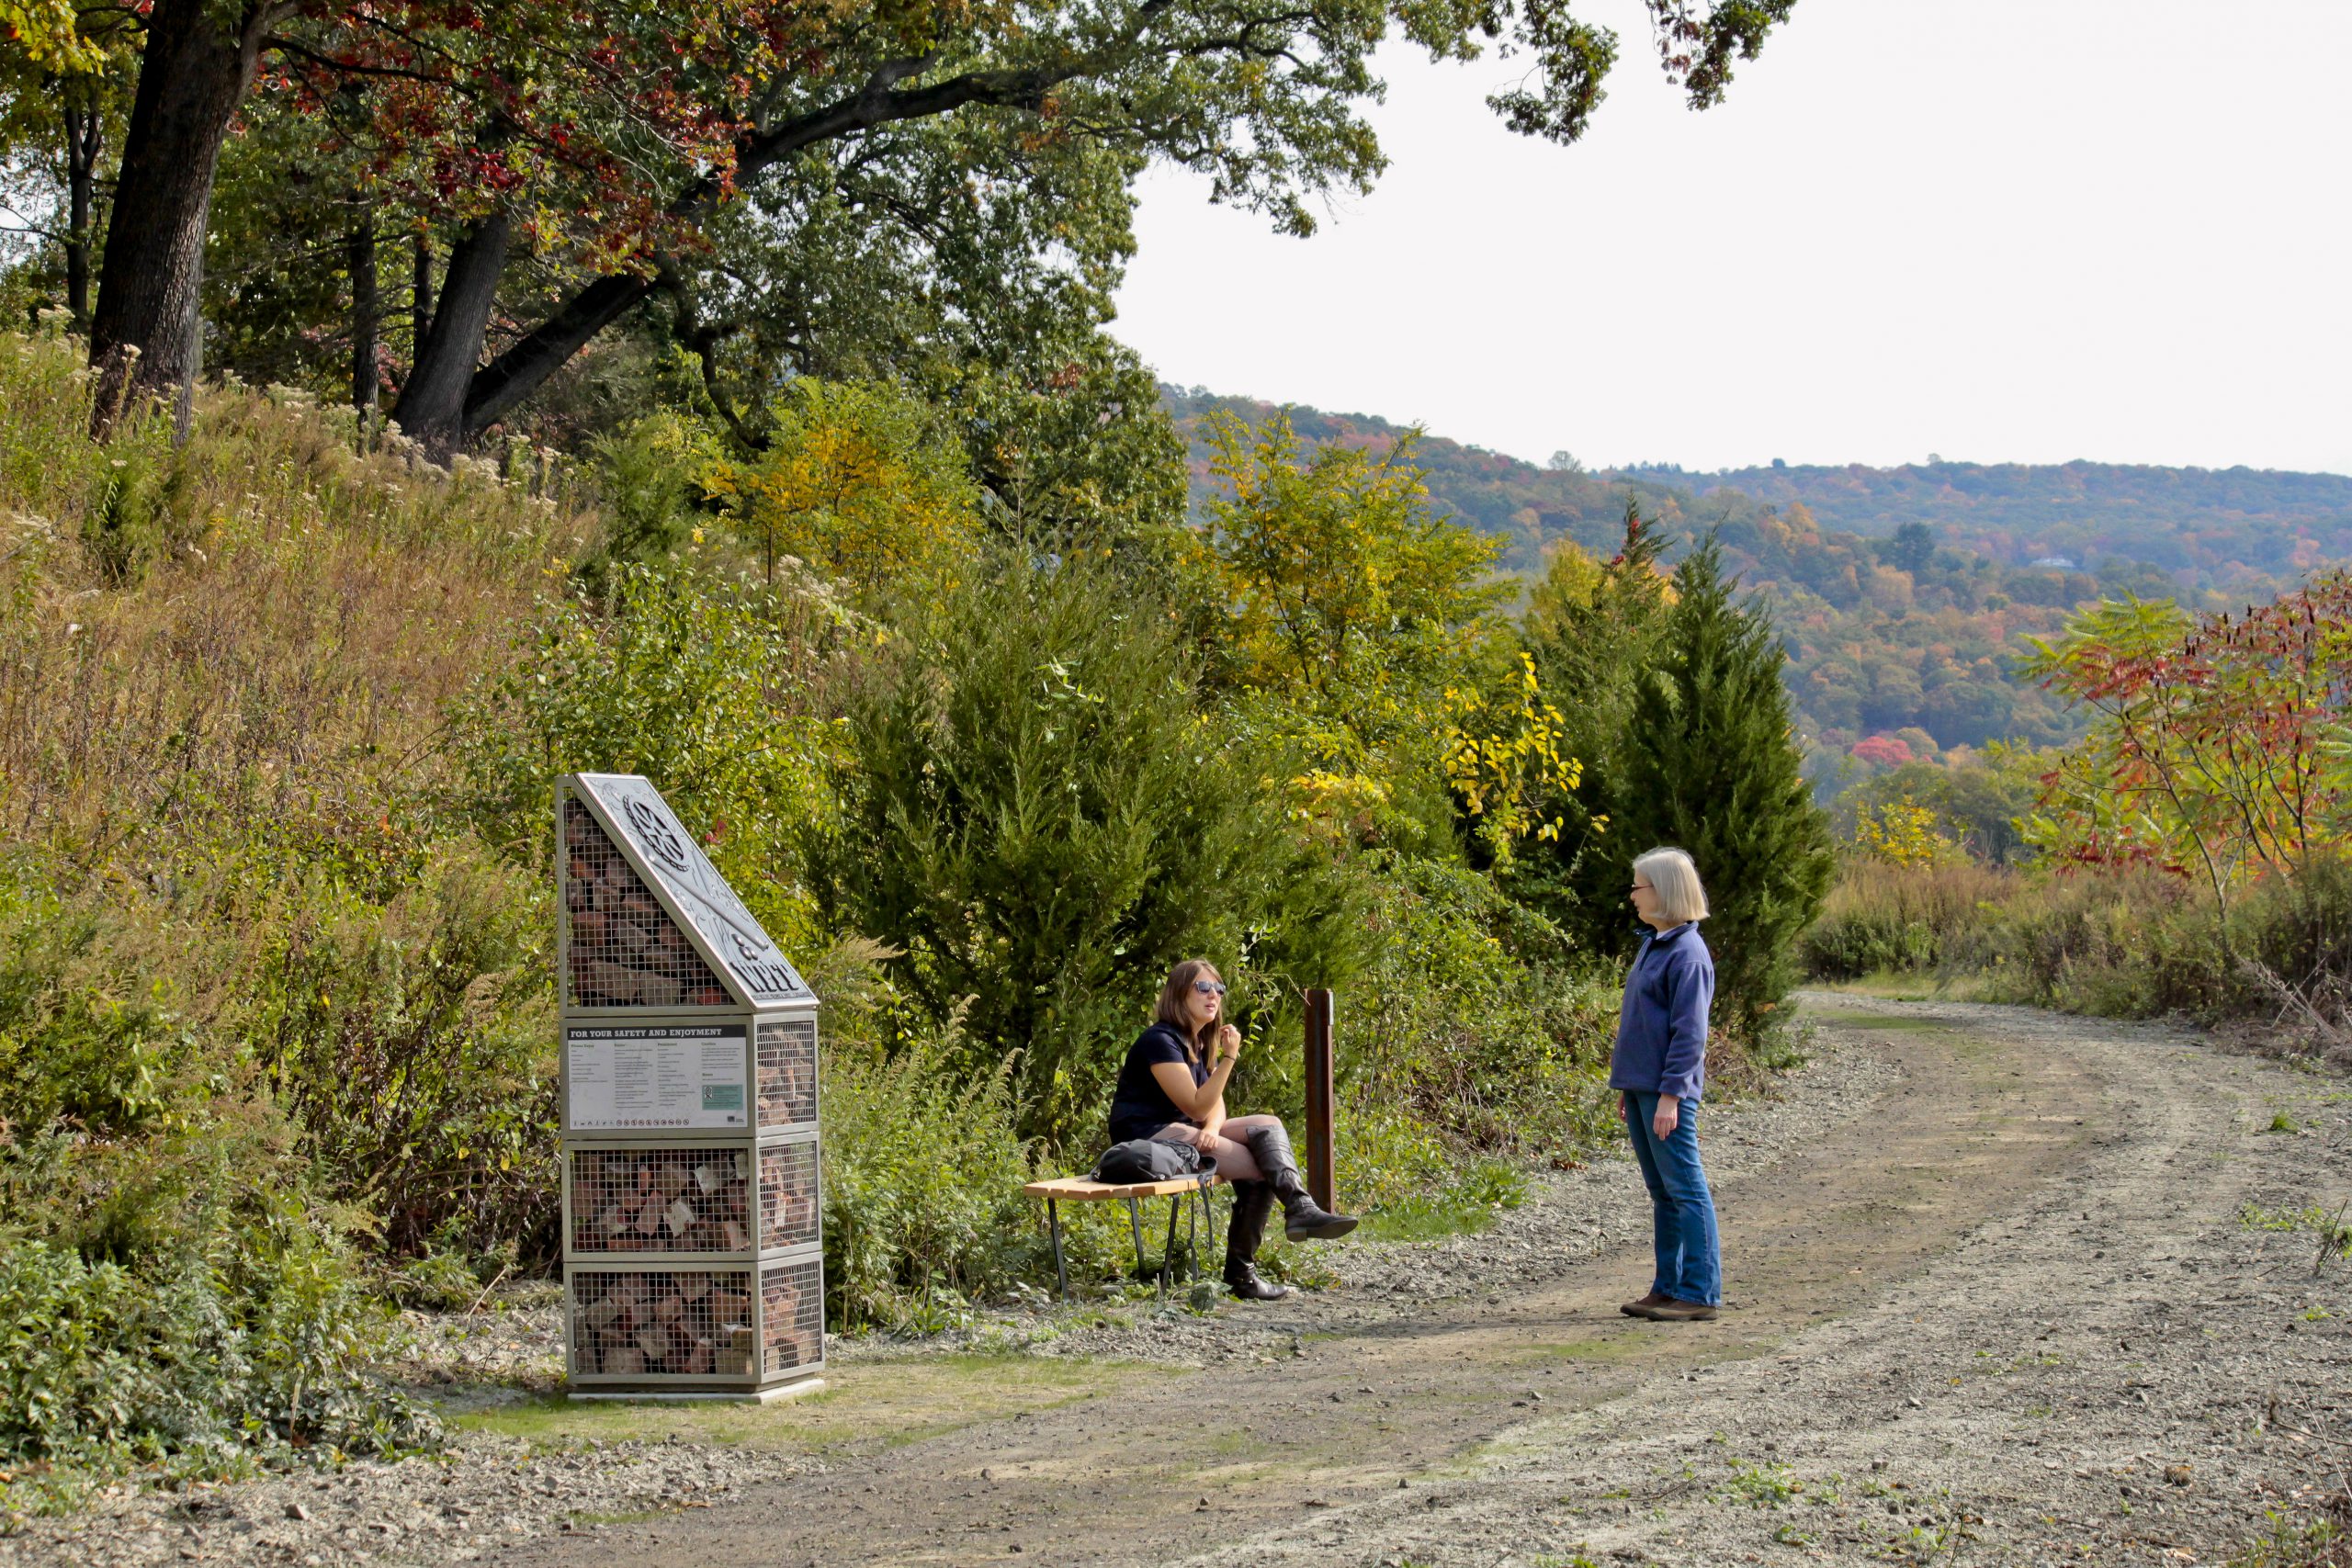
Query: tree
{"points": [[695, 104], [1593, 628], [1713, 767], [1041, 817], [60, 117], [1912, 549], [859, 480], [2220, 746]]}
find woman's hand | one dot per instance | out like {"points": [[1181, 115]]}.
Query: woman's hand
{"points": [[1668, 1117], [1229, 1043]]}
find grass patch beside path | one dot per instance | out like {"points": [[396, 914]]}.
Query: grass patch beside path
{"points": [[863, 1405]]}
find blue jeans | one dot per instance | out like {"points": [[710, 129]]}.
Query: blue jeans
{"points": [[1689, 1258]]}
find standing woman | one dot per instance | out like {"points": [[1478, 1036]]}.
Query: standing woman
{"points": [[1659, 1067], [1171, 1090]]}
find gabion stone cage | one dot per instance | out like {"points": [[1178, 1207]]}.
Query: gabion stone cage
{"points": [[692, 1216]]}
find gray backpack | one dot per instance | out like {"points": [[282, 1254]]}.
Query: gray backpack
{"points": [[1145, 1159]]}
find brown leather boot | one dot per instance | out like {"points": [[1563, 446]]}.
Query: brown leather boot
{"points": [[1673, 1310], [1642, 1308]]}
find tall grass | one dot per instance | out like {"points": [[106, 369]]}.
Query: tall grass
{"points": [[2128, 943], [259, 629]]}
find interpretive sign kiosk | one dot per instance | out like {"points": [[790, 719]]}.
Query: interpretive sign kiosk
{"points": [[693, 1252]]}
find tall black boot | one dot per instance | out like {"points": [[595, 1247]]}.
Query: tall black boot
{"points": [[1253, 1202], [1303, 1218]]}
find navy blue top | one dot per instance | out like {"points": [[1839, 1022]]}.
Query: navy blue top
{"points": [[1139, 1106], [1662, 1028]]}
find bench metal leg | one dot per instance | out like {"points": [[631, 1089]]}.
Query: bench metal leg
{"points": [[1061, 1270], [1168, 1253], [1135, 1226]]}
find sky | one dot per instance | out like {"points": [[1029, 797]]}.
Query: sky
{"points": [[1988, 231]]}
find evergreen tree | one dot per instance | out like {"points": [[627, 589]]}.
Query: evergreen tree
{"points": [[1713, 767], [1593, 628]]}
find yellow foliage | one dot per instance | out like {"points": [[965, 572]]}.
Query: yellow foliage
{"points": [[1502, 754], [856, 484], [1903, 832]]}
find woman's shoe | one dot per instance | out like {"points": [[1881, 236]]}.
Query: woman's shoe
{"points": [[1242, 1279], [1642, 1308], [1303, 1218], [1675, 1310]]}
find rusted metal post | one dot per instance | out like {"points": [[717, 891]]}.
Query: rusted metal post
{"points": [[1322, 1100]]}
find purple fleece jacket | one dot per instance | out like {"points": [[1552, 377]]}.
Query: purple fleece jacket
{"points": [[1662, 1028]]}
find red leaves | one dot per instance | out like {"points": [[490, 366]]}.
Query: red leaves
{"points": [[2219, 750]]}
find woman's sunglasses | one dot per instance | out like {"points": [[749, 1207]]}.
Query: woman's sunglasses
{"points": [[1209, 987]]}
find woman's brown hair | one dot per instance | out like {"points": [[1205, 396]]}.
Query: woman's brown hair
{"points": [[1170, 1007]]}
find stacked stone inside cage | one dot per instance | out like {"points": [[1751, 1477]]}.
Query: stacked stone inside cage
{"points": [[788, 1071], [792, 1314], [661, 1200], [624, 951], [788, 1195], [684, 1324]]}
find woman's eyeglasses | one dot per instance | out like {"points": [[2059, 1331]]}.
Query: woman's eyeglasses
{"points": [[1209, 987]]}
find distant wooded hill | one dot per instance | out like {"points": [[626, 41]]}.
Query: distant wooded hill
{"points": [[1903, 593]]}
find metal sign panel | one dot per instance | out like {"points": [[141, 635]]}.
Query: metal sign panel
{"points": [[634, 1076], [666, 855]]}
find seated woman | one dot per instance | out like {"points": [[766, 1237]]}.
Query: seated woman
{"points": [[1171, 1088]]}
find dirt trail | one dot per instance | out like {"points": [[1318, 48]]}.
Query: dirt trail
{"points": [[1974, 1306]]}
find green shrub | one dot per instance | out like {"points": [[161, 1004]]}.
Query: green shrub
{"points": [[414, 1041], [699, 683], [924, 1164], [1475, 1019], [1905, 919], [2119, 943], [200, 1360], [1038, 813]]}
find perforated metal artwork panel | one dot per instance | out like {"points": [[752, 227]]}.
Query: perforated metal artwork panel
{"points": [[648, 1324], [792, 1314], [670, 854], [663, 1199], [624, 949], [787, 1049], [788, 1195]]}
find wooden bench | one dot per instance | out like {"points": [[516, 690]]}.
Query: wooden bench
{"points": [[1079, 1189]]}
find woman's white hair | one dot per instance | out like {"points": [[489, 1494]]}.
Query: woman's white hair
{"points": [[1676, 880]]}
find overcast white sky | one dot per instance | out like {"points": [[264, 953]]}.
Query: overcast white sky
{"points": [[1994, 230]]}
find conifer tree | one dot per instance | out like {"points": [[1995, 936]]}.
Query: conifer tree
{"points": [[1713, 767], [1593, 628]]}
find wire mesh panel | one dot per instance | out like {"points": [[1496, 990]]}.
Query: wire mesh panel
{"points": [[792, 1314], [663, 1199], [624, 949], [787, 1049], [651, 1325], [788, 1195]]}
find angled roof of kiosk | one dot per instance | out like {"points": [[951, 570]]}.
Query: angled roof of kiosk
{"points": [[667, 857]]}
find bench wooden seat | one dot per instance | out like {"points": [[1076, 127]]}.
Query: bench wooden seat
{"points": [[1063, 1190], [1079, 1189]]}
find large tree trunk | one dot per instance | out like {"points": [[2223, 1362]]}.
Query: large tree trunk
{"points": [[361, 261], [420, 296], [85, 140], [433, 405], [144, 336], [517, 373]]}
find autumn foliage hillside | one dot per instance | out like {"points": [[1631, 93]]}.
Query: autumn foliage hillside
{"points": [[1905, 596]]}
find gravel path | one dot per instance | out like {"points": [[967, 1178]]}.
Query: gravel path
{"points": [[2076, 1336], [2139, 1366]]}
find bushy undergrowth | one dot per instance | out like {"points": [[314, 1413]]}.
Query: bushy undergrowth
{"points": [[2117, 944], [280, 717]]}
